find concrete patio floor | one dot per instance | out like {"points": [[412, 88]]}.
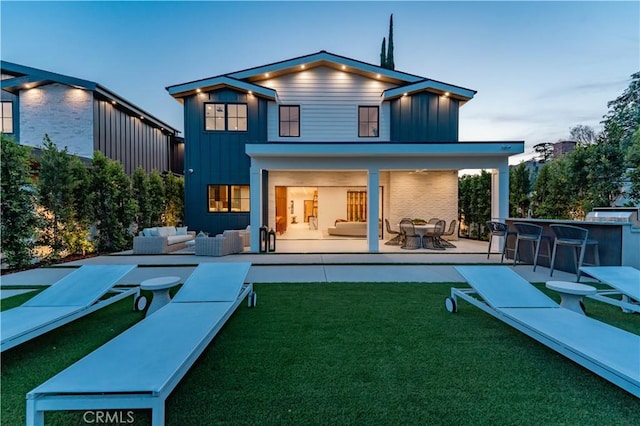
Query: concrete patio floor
{"points": [[287, 265]]}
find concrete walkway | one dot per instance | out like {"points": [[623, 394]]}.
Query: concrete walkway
{"points": [[295, 268]]}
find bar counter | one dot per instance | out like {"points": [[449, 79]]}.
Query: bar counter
{"points": [[618, 243]]}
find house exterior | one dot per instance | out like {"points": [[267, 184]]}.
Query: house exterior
{"points": [[320, 139], [85, 117]]}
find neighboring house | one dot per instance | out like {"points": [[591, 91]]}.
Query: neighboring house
{"points": [[299, 144], [85, 117], [563, 147]]}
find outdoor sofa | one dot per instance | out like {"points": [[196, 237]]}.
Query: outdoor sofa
{"points": [[161, 240]]}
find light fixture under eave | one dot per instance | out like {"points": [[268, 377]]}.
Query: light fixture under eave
{"points": [[113, 102], [266, 74], [344, 67], [446, 94], [302, 66], [250, 92], [198, 90], [377, 75], [405, 94]]}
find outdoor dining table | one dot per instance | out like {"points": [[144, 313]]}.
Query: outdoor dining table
{"points": [[423, 230]]}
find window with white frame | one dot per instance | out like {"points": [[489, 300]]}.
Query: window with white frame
{"points": [[368, 121], [7, 117], [225, 117]]}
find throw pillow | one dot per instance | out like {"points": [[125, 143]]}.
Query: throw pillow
{"points": [[201, 235], [182, 230], [147, 232], [154, 232]]}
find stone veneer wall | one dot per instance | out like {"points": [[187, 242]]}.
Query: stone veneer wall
{"points": [[405, 194], [64, 113]]}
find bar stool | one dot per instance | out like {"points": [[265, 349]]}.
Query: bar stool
{"points": [[533, 233], [578, 238], [498, 229]]}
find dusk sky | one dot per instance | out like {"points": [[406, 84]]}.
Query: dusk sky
{"points": [[540, 68]]}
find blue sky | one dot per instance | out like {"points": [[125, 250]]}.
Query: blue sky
{"points": [[540, 68]]}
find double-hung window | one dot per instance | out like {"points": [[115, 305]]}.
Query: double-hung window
{"points": [[289, 121], [7, 117], [368, 121], [225, 117], [228, 198]]}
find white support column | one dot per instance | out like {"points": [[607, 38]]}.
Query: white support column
{"points": [[255, 182], [500, 192], [373, 210]]}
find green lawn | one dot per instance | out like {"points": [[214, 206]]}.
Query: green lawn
{"points": [[383, 354]]}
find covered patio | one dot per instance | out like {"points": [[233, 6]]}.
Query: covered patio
{"points": [[374, 167]]}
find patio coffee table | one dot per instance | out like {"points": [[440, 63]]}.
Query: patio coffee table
{"points": [[160, 288], [571, 294]]}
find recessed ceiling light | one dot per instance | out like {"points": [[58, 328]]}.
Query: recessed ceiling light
{"points": [[344, 67], [446, 93], [377, 75], [266, 74], [198, 90], [302, 66]]}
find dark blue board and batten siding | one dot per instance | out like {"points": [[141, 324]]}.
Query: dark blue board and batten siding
{"points": [[129, 139], [218, 157], [424, 117]]}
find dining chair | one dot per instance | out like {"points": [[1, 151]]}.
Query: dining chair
{"points": [[448, 233], [433, 238], [576, 238], [412, 241], [397, 240]]}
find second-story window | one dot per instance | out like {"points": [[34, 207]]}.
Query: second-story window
{"points": [[229, 117], [7, 117], [237, 117], [290, 121], [368, 122]]}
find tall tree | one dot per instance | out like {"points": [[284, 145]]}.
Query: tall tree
{"points": [[389, 63], [383, 53], [552, 193], [55, 184], [174, 195], [583, 135], [519, 188], [633, 172], [157, 201], [544, 150], [623, 118], [19, 219], [140, 188], [113, 204]]}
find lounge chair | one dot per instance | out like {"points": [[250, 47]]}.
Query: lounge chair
{"points": [[74, 296], [610, 352], [139, 368], [625, 282]]}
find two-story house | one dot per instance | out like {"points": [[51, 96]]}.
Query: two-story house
{"points": [[85, 117], [322, 138]]}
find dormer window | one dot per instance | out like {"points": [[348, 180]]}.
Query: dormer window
{"points": [[225, 117], [368, 121]]}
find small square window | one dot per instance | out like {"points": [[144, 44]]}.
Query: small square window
{"points": [[214, 116], [218, 198]]}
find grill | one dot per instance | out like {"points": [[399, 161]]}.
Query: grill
{"points": [[613, 214]]}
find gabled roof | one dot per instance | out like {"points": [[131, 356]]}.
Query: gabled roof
{"points": [[27, 78], [407, 83]]}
